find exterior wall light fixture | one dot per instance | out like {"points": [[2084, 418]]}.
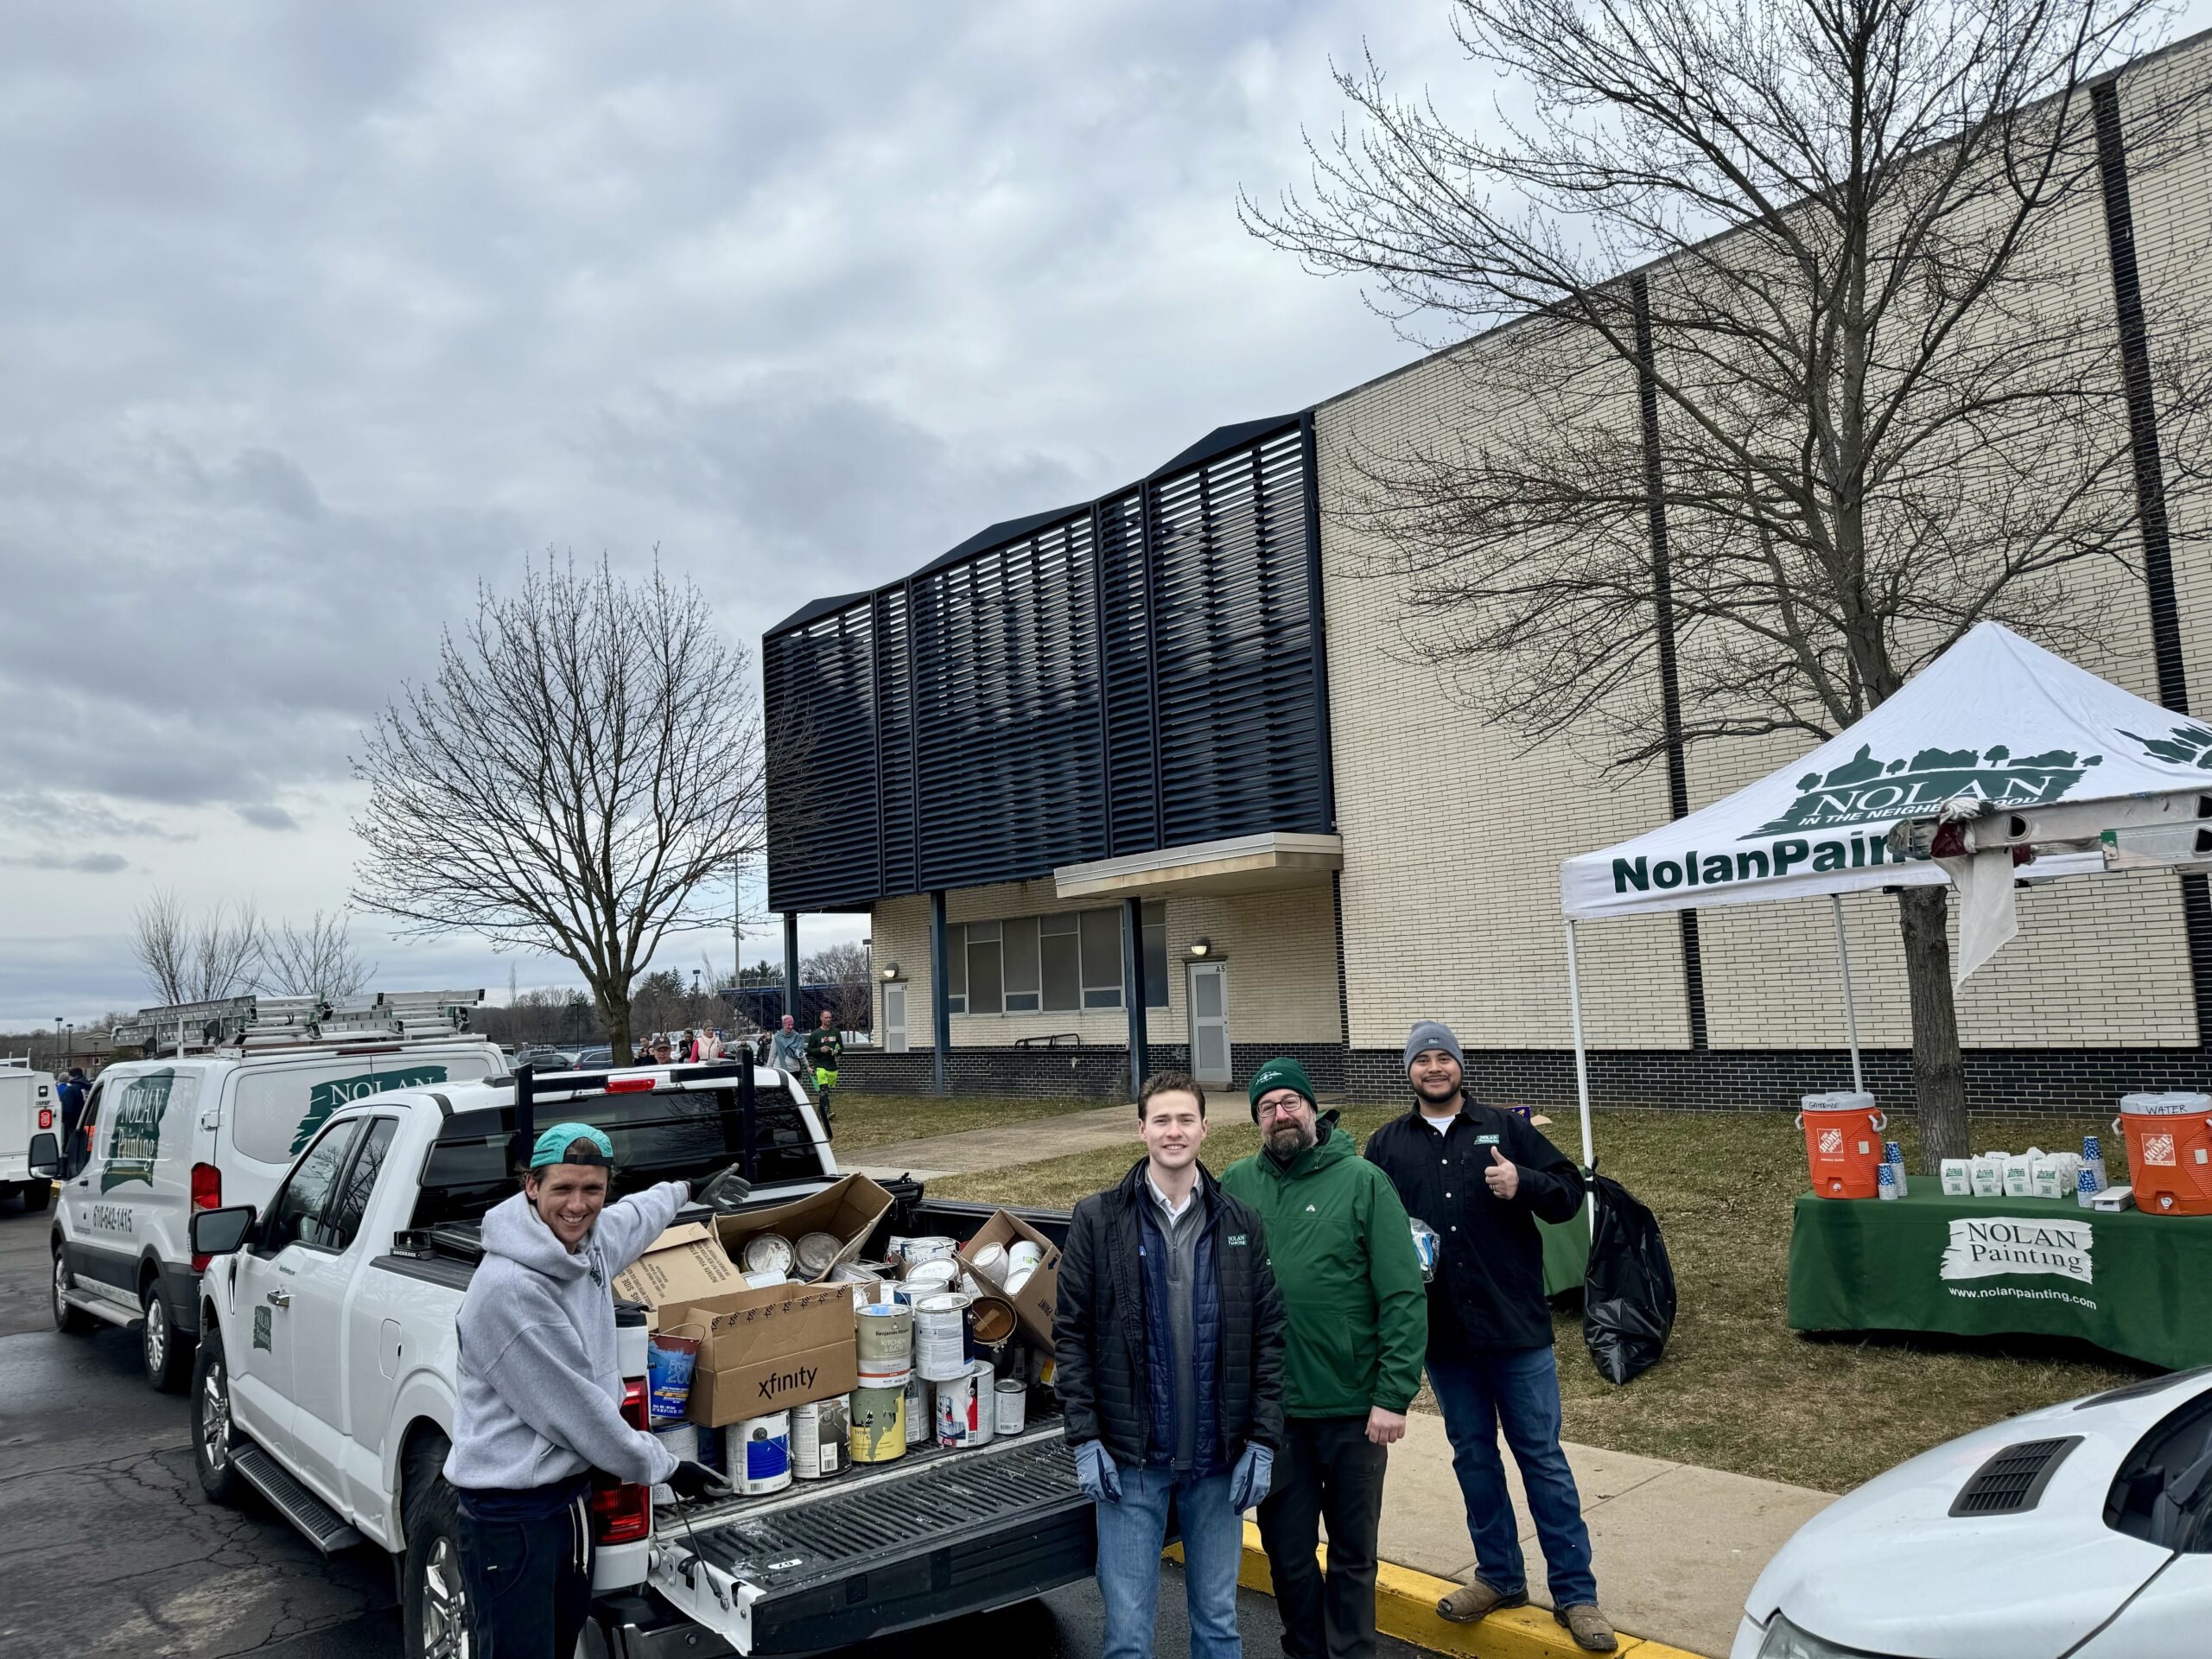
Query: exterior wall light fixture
{"points": [[1201, 947], [890, 971]]}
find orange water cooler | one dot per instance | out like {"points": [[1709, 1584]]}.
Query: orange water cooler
{"points": [[2168, 1151], [1843, 1143]]}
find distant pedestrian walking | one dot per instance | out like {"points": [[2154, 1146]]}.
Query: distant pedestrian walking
{"points": [[825, 1051], [787, 1052], [1482, 1178], [1342, 1252]]}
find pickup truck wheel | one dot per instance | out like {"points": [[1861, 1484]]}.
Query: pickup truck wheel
{"points": [[168, 1364], [433, 1611], [213, 1436], [73, 1321]]}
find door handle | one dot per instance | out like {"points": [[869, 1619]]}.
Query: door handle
{"points": [[281, 1298]]}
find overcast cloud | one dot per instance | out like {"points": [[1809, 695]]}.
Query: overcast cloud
{"points": [[314, 316]]}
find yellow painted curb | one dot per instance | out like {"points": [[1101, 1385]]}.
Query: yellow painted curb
{"points": [[1405, 1607]]}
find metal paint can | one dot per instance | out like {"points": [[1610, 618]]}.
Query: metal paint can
{"points": [[986, 1422], [941, 1337], [681, 1440], [1013, 1404], [884, 1344], [818, 1436], [816, 1252], [930, 1247], [932, 1277], [881, 1431], [760, 1454], [990, 1329], [918, 1410], [767, 1252], [958, 1413]]}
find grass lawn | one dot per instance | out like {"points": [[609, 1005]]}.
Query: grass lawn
{"points": [[865, 1120], [1738, 1390]]}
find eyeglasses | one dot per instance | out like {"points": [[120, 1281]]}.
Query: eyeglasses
{"points": [[1282, 1108]]}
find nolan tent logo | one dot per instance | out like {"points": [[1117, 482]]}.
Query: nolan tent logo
{"points": [[2184, 745], [1866, 790], [327, 1098], [1989, 1247], [135, 1140]]}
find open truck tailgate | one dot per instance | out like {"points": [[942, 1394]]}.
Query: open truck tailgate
{"points": [[885, 1549]]}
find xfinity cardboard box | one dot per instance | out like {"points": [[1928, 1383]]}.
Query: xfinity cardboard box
{"points": [[1033, 1303], [760, 1350]]}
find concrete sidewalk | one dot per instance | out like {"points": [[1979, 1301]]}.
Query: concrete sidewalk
{"points": [[1675, 1547]]}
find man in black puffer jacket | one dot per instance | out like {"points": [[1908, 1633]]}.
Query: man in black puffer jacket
{"points": [[1167, 1339]]}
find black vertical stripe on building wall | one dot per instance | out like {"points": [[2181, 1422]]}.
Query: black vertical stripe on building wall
{"points": [[2150, 496], [1343, 984], [1662, 605], [1311, 452]]}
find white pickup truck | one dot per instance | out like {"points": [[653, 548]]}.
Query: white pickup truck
{"points": [[327, 1360]]}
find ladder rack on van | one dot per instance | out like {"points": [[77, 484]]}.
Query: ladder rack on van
{"points": [[254, 1022]]}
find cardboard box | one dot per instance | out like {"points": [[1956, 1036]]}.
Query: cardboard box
{"points": [[770, 1350], [850, 1209], [1033, 1302]]}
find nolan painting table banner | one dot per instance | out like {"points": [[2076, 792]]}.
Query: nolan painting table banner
{"points": [[2133, 1284]]}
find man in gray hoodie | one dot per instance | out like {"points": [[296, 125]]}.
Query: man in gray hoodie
{"points": [[541, 1392]]}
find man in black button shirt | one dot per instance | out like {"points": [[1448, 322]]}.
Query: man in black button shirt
{"points": [[1482, 1177]]}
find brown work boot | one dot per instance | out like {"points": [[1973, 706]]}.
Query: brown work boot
{"points": [[1477, 1600], [1588, 1626]]}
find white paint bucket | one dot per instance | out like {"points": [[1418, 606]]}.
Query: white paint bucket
{"points": [[1017, 1277], [880, 1428], [941, 1337], [958, 1414], [1013, 1403], [767, 1253], [1023, 1255], [760, 1454], [918, 1410], [990, 1262], [818, 1434]]}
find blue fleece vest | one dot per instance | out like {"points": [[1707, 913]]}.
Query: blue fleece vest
{"points": [[1207, 1459]]}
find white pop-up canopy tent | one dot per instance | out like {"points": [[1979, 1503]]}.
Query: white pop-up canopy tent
{"points": [[2011, 746]]}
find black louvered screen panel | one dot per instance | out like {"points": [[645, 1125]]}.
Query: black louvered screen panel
{"points": [[895, 720], [1239, 727], [1127, 635], [821, 799], [1136, 674], [1007, 706]]}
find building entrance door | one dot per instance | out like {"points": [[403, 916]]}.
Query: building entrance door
{"points": [[1209, 988], [894, 1018]]}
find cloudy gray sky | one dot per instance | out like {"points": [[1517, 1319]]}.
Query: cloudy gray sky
{"points": [[315, 316]]}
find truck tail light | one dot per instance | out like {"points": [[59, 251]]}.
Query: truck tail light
{"points": [[46, 1117], [207, 1194], [624, 1514]]}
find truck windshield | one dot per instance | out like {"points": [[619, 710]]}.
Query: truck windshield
{"points": [[671, 1135]]}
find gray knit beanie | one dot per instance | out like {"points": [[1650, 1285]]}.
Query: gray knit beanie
{"points": [[1433, 1033]]}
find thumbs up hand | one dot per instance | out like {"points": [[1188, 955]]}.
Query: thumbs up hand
{"points": [[1502, 1175]]}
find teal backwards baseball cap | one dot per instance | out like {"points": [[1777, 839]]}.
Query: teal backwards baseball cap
{"points": [[572, 1143]]}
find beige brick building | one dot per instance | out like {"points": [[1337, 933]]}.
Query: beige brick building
{"points": [[1172, 746]]}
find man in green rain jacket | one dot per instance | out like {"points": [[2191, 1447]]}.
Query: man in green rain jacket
{"points": [[1342, 1251]]}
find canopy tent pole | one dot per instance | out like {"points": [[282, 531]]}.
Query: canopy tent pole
{"points": [[1581, 1063], [1850, 1003]]}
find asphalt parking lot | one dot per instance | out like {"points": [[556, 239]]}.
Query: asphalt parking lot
{"points": [[107, 1547]]}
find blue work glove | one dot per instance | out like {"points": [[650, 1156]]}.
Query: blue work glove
{"points": [[1096, 1473], [1254, 1474]]}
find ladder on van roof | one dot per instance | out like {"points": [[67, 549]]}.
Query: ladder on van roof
{"points": [[253, 1021]]}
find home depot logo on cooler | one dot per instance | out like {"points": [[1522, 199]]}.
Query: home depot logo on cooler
{"points": [[2158, 1149], [1830, 1142]]}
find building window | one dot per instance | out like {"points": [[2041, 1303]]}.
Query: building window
{"points": [[985, 968], [1155, 956], [1060, 956], [1017, 941], [1100, 933], [956, 968]]}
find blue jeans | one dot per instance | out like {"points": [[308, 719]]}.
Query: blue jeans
{"points": [[1130, 1535], [1517, 1389]]}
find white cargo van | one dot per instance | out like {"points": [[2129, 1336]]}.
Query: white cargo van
{"points": [[29, 1104], [198, 1130]]}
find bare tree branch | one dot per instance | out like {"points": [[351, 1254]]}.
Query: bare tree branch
{"points": [[317, 960]]}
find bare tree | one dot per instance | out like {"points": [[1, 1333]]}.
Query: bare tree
{"points": [[195, 958], [587, 757], [316, 960], [846, 967], [1802, 386]]}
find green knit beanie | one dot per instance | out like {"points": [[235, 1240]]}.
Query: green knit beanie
{"points": [[1282, 1073]]}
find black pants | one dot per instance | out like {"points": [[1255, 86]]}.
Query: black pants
{"points": [[1329, 1470], [525, 1560]]}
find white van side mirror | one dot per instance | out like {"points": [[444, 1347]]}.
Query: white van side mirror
{"points": [[217, 1232]]}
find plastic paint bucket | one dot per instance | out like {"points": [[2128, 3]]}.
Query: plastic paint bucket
{"points": [[671, 1358], [880, 1429], [918, 1410], [941, 1337], [760, 1454], [1022, 1256], [1013, 1402], [957, 1412], [818, 1432], [990, 1263]]}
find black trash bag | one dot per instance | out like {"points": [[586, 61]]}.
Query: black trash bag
{"points": [[1628, 1293]]}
